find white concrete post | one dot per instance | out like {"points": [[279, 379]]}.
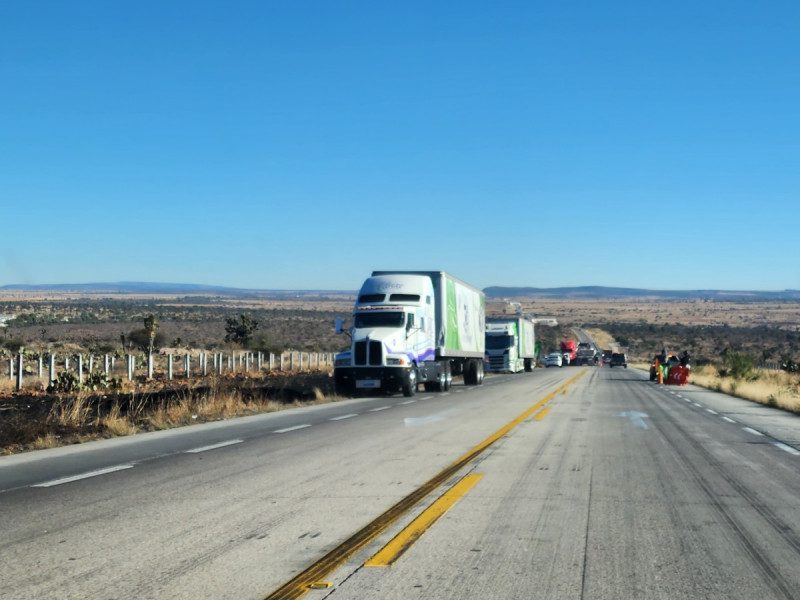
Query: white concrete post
{"points": [[215, 361], [219, 363], [80, 369], [204, 356], [131, 366], [52, 373], [149, 365], [11, 368], [271, 364], [91, 363], [66, 363], [105, 364], [187, 365], [41, 366], [169, 367], [291, 361]]}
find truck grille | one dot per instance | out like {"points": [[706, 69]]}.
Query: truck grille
{"points": [[497, 362], [375, 353], [360, 356]]}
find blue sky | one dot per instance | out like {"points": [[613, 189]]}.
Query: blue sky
{"points": [[303, 144]]}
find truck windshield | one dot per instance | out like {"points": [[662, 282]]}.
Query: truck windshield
{"points": [[379, 319], [499, 342]]}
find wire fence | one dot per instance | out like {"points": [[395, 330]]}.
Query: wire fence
{"points": [[188, 365]]}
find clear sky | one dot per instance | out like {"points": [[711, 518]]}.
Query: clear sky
{"points": [[303, 144]]}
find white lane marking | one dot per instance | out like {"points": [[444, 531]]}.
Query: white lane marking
{"points": [[687, 400], [214, 446], [82, 476], [458, 391], [379, 408], [697, 405], [295, 428], [445, 394], [673, 393], [786, 448], [712, 411], [728, 419], [751, 430], [340, 417], [423, 398], [412, 401]]}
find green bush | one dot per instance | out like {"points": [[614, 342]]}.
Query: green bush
{"points": [[739, 365]]}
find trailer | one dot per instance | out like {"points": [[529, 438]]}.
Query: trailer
{"points": [[510, 344], [412, 327]]}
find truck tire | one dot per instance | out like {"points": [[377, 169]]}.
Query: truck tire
{"points": [[479, 376], [410, 383], [470, 373], [528, 365]]}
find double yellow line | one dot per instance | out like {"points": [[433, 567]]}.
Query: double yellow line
{"points": [[302, 582]]}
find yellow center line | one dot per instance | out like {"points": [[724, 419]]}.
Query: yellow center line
{"points": [[299, 584], [541, 414], [414, 530]]}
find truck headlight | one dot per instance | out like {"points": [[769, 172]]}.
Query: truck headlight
{"points": [[395, 361]]}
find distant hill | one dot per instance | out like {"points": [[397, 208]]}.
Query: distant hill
{"points": [[597, 292], [594, 292], [143, 287]]}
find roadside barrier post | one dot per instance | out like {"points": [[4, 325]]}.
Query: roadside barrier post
{"points": [[271, 364], [130, 367], [19, 370], [219, 363], [52, 370], [149, 365], [113, 360], [260, 361], [291, 361], [204, 356], [11, 368], [91, 363], [80, 369], [66, 363], [187, 365], [169, 367], [215, 362], [41, 366], [105, 364]]}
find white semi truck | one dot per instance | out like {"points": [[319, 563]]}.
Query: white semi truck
{"points": [[510, 344], [412, 327]]}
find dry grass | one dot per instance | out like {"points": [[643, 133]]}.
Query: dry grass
{"points": [[46, 441], [116, 423], [603, 339], [773, 388]]}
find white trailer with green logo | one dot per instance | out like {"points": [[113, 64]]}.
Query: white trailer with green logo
{"points": [[510, 344], [412, 327]]}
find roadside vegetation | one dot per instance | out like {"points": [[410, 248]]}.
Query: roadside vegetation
{"points": [[83, 414]]}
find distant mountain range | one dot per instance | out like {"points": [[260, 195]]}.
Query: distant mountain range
{"points": [[597, 292], [493, 292]]}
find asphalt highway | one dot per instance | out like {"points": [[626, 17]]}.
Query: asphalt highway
{"points": [[562, 483]]}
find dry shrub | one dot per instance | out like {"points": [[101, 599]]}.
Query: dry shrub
{"points": [[45, 441], [116, 423], [71, 412]]}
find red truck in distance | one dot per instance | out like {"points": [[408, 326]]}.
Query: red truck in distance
{"points": [[569, 350]]}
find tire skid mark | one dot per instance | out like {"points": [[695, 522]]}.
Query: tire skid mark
{"points": [[772, 574]]}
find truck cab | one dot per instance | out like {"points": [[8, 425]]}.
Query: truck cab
{"points": [[501, 347]]}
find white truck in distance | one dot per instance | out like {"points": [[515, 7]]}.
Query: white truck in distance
{"points": [[412, 327], [510, 344]]}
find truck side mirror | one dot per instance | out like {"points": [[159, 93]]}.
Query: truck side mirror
{"points": [[339, 325]]}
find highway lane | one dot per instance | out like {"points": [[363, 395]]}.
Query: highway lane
{"points": [[616, 489], [623, 490], [233, 520]]}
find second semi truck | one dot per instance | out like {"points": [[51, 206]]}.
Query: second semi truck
{"points": [[412, 327], [510, 344]]}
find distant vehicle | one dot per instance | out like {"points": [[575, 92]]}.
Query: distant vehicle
{"points": [[618, 359], [569, 351], [586, 354], [510, 344], [554, 359], [607, 356], [412, 327]]}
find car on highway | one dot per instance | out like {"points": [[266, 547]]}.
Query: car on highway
{"points": [[554, 359], [618, 359]]}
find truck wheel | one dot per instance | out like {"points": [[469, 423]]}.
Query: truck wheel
{"points": [[410, 383], [448, 377], [528, 365], [470, 373], [479, 372]]}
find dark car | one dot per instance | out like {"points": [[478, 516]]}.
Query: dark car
{"points": [[618, 359]]}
